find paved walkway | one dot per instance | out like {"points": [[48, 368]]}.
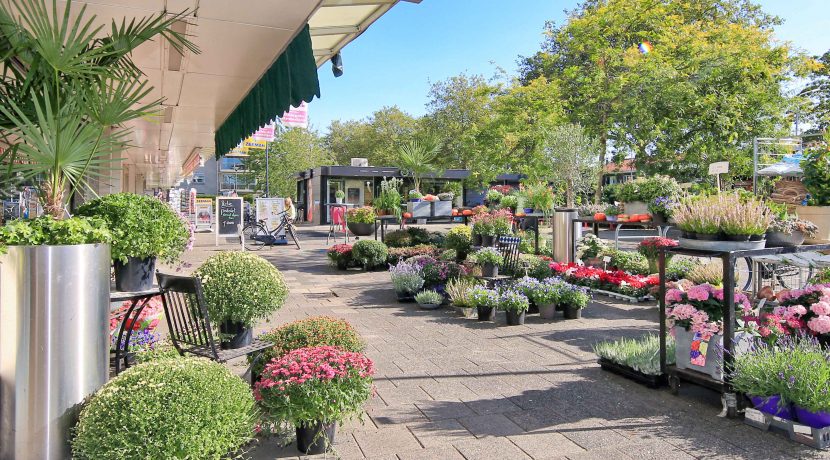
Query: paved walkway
{"points": [[453, 388]]}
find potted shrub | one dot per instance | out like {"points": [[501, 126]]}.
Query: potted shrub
{"points": [[816, 167], [309, 332], [661, 209], [639, 193], [194, 408], [340, 255], [429, 300], [339, 196], [407, 280], [489, 259], [389, 199], [314, 389], [650, 249], [789, 231], [733, 220], [540, 197], [144, 229], [493, 197], [415, 196], [589, 248], [502, 221], [485, 300], [546, 297], [611, 212], [458, 290], [509, 202], [515, 305], [240, 288], [361, 221], [460, 239], [370, 254], [573, 299], [483, 226]]}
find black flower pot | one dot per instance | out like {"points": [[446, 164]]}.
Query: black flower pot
{"points": [[487, 240], [515, 318], [476, 239], [405, 297], [658, 219], [688, 235], [533, 308], [489, 270], [136, 275], [361, 229], [707, 236], [242, 335], [756, 237], [315, 438], [737, 237], [572, 312], [486, 313]]}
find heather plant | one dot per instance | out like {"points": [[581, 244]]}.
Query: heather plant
{"points": [[641, 354], [731, 214], [708, 273], [459, 291]]}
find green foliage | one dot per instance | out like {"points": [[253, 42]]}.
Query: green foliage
{"points": [[641, 354], [573, 296], [613, 210], [376, 137], [678, 268], [494, 196], [450, 255], [294, 149], [309, 332], [429, 297], [817, 92], [647, 189], [389, 199], [571, 160], [163, 349], [460, 239], [47, 230], [509, 202], [540, 269], [488, 256], [362, 215], [590, 246], [370, 253], [141, 226], [816, 166], [609, 193], [458, 289], [241, 287], [339, 194], [410, 236], [180, 408], [417, 158], [631, 262], [539, 196], [69, 90]]}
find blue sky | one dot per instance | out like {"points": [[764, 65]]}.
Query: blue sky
{"points": [[394, 61]]}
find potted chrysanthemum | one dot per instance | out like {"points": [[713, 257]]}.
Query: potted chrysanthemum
{"points": [[314, 389]]}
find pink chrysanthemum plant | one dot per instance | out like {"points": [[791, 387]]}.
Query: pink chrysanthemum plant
{"points": [[700, 309]]}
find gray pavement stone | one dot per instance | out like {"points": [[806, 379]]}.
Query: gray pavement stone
{"points": [[491, 425]]}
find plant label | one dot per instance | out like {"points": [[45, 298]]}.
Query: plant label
{"points": [[606, 259], [802, 429], [755, 416], [721, 167]]}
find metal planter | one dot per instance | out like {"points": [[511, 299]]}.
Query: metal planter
{"points": [[442, 208], [420, 209], [54, 343]]}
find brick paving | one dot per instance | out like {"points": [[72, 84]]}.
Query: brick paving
{"points": [[453, 388]]}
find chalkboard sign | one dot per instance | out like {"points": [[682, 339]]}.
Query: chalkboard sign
{"points": [[229, 215]]}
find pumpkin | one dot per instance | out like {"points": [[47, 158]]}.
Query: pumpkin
{"points": [[600, 216], [455, 212], [634, 218], [623, 216], [407, 215], [467, 212]]}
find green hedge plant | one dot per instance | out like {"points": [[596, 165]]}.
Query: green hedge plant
{"points": [[647, 189], [141, 226], [241, 287], [370, 253], [169, 408]]}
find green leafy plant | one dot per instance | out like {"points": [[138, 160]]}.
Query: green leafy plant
{"points": [[573, 296], [241, 287], [309, 332], [494, 196], [415, 195], [509, 202], [627, 261], [613, 210], [458, 290], [641, 354], [459, 238], [539, 196], [488, 256], [361, 215], [142, 226], [450, 255], [411, 236], [647, 189], [167, 408], [590, 246], [679, 268], [340, 194], [47, 230], [511, 300], [429, 297], [69, 89], [417, 159], [389, 199], [816, 167], [370, 253]]}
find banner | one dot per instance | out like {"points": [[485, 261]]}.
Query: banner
{"points": [[266, 133], [296, 117], [251, 143], [269, 209], [204, 214]]}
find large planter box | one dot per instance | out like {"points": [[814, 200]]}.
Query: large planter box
{"points": [[636, 207], [714, 352], [419, 209], [819, 215], [442, 208]]}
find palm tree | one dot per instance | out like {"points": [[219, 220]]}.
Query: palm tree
{"points": [[67, 92], [417, 158]]}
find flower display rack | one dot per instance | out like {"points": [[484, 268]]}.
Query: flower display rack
{"points": [[651, 381], [728, 259], [818, 438], [617, 295]]}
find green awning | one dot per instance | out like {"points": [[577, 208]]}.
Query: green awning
{"points": [[289, 81]]}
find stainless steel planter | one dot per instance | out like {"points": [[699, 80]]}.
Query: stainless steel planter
{"points": [[54, 344]]}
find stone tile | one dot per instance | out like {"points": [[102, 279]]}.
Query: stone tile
{"points": [[490, 448], [601, 454], [439, 433], [490, 406], [396, 415], [433, 453], [386, 441], [440, 410], [546, 445], [491, 425]]}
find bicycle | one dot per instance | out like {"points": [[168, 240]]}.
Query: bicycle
{"points": [[256, 234]]}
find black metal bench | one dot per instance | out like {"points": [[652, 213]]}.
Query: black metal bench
{"points": [[189, 322], [508, 246]]}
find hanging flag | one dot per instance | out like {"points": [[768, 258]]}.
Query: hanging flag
{"points": [[296, 117], [266, 133]]}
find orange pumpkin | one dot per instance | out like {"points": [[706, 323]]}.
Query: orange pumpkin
{"points": [[407, 215], [455, 212], [634, 218], [623, 216], [466, 212], [600, 216]]}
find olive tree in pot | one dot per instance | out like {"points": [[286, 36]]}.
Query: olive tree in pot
{"points": [[240, 288], [69, 89], [314, 389], [144, 229]]}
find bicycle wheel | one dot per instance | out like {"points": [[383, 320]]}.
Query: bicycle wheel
{"points": [[255, 236]]}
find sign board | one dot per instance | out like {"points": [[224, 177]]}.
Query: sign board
{"points": [[229, 216], [269, 209], [251, 143], [721, 167], [296, 117], [204, 214]]}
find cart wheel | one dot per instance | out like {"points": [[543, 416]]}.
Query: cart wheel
{"points": [[674, 384]]}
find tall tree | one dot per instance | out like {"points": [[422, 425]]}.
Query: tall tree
{"points": [[705, 81], [294, 150], [571, 160], [817, 92], [375, 137]]}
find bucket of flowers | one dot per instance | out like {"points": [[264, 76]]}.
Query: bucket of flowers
{"points": [[314, 389], [651, 247], [485, 300], [515, 304]]}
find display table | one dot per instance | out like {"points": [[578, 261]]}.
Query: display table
{"points": [[383, 222]]}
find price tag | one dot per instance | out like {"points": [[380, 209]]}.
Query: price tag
{"points": [[606, 259], [755, 416], [802, 429]]}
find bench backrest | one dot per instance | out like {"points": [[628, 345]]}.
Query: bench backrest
{"points": [[187, 316], [509, 249]]}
